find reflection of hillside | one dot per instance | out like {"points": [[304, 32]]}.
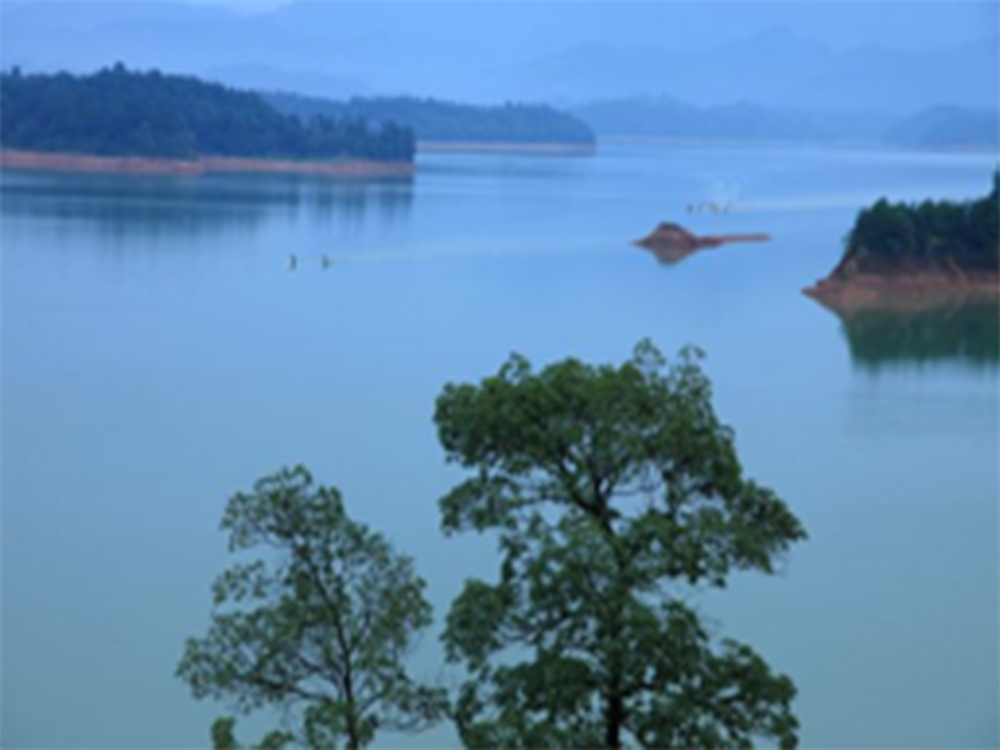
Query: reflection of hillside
{"points": [[950, 329], [133, 206]]}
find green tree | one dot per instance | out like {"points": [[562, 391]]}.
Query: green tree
{"points": [[121, 112], [319, 624], [615, 492]]}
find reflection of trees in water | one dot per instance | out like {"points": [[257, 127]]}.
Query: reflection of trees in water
{"points": [[126, 207], [962, 331]]}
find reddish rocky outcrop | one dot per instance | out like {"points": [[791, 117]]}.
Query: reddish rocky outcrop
{"points": [[901, 285], [671, 242]]}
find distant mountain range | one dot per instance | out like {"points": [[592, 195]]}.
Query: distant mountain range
{"points": [[546, 52], [775, 68], [947, 127], [667, 117]]}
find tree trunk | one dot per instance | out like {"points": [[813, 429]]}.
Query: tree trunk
{"points": [[353, 738], [614, 718]]}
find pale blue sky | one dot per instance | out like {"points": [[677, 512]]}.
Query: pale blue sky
{"points": [[247, 5], [918, 23], [838, 23]]}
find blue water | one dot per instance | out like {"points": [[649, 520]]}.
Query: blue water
{"points": [[159, 354]]}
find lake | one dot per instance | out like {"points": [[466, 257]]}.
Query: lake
{"points": [[160, 353]]}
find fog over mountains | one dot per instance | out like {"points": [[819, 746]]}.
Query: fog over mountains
{"points": [[887, 58]]}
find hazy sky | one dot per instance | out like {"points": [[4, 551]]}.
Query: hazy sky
{"points": [[253, 6], [839, 22], [679, 23]]}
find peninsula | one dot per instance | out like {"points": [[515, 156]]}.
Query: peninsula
{"points": [[122, 121], [904, 255]]}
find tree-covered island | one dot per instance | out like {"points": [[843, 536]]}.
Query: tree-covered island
{"points": [[119, 114], [919, 248]]}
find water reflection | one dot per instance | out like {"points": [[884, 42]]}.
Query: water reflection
{"points": [[949, 329], [179, 208]]}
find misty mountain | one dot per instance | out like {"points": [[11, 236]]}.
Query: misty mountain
{"points": [[947, 127], [86, 36], [89, 15], [782, 55], [774, 67], [519, 31], [305, 82], [670, 118]]}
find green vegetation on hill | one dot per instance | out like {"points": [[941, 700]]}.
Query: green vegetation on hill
{"points": [[118, 112], [931, 234], [439, 121]]}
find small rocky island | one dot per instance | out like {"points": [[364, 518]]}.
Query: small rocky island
{"points": [[912, 255], [672, 243]]}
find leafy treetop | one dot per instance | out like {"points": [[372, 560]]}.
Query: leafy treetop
{"points": [[943, 234], [319, 624], [613, 490]]}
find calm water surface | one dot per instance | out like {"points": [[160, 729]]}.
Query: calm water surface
{"points": [[158, 355]]}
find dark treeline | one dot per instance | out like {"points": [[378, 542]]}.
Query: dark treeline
{"points": [[434, 120], [118, 112], [939, 234]]}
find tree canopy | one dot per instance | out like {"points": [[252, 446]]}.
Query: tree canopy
{"points": [[941, 234], [118, 112], [614, 492], [435, 120], [318, 625]]}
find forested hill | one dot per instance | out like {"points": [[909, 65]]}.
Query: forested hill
{"points": [[118, 112], [943, 234], [440, 121]]}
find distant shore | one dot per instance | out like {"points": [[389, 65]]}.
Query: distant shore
{"points": [[489, 147], [135, 165]]}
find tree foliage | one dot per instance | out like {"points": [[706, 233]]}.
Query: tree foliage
{"points": [[319, 624], [615, 492], [435, 120], [118, 112], [940, 234]]}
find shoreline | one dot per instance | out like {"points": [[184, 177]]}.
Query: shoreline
{"points": [[506, 147], [908, 290], [152, 166], [861, 144]]}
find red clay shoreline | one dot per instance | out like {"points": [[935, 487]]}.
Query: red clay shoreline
{"points": [[506, 147], [906, 290], [132, 165]]}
